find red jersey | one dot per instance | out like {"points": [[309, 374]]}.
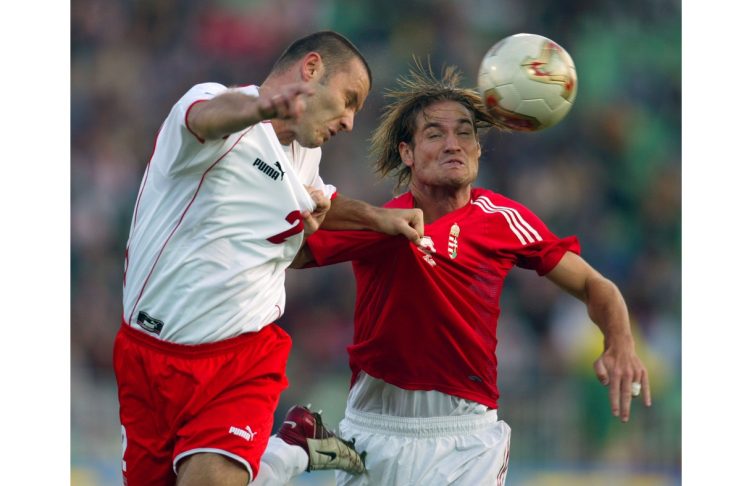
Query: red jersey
{"points": [[429, 321]]}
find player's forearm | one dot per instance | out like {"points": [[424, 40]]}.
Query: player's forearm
{"points": [[351, 214], [607, 309], [225, 114]]}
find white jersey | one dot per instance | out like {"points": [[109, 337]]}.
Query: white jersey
{"points": [[215, 226]]}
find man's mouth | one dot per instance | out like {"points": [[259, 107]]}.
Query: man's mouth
{"points": [[454, 162]]}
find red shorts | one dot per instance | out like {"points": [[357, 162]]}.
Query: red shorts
{"points": [[177, 400]]}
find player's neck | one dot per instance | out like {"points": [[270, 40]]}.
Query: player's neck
{"points": [[285, 134], [283, 130], [436, 202]]}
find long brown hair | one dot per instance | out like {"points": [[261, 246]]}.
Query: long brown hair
{"points": [[413, 94]]}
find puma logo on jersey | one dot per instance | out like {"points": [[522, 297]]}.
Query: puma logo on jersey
{"points": [[277, 164], [245, 433], [268, 170]]}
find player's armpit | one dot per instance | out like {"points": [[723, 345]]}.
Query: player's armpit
{"points": [[303, 257]]}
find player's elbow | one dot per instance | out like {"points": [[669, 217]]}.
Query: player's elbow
{"points": [[601, 291]]}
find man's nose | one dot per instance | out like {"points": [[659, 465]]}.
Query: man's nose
{"points": [[347, 122], [452, 142]]}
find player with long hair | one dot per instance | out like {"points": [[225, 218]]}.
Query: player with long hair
{"points": [[423, 401]]}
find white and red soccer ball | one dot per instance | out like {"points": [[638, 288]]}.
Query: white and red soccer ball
{"points": [[528, 82]]}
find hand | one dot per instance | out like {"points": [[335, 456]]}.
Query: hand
{"points": [[313, 220], [286, 102], [407, 222], [618, 368]]}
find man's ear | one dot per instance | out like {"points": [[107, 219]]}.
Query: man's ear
{"points": [[406, 153], [312, 67]]}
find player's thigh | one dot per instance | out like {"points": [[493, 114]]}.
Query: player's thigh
{"points": [[235, 423], [384, 462], [210, 469], [481, 457], [236, 427]]}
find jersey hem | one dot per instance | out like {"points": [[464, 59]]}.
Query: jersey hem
{"points": [[456, 392], [193, 351]]}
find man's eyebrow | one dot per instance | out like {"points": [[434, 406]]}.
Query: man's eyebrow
{"points": [[434, 124]]}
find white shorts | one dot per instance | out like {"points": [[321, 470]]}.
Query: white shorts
{"points": [[462, 450]]}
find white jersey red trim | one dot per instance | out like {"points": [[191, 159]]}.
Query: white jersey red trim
{"points": [[215, 225]]}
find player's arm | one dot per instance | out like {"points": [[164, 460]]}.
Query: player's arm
{"points": [[303, 257], [619, 366], [328, 247], [351, 214], [233, 110]]}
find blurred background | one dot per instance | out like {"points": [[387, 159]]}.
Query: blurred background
{"points": [[610, 173]]}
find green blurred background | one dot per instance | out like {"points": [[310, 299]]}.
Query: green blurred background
{"points": [[609, 173]]}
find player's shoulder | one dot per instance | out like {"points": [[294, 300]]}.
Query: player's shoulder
{"points": [[199, 92], [493, 198], [402, 201], [491, 202], [206, 89], [248, 89]]}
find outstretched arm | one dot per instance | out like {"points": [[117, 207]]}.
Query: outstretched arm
{"points": [[351, 214], [232, 111], [619, 366]]}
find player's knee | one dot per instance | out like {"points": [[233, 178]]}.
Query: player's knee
{"points": [[209, 469]]}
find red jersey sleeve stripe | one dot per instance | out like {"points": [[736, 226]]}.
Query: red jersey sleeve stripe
{"points": [[518, 217], [506, 216], [517, 223]]}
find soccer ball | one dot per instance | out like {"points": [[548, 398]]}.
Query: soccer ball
{"points": [[528, 82]]}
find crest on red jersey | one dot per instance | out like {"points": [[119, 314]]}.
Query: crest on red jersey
{"points": [[455, 231]]}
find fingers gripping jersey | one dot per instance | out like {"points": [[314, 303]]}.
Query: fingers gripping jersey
{"points": [[428, 321], [215, 225]]}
